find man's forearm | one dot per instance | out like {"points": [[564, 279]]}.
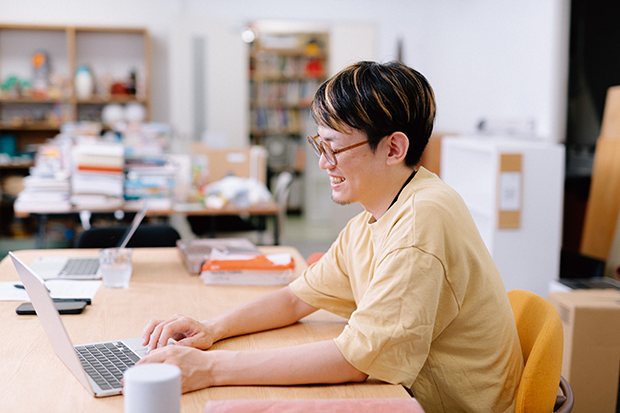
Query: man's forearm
{"points": [[272, 310], [320, 362]]}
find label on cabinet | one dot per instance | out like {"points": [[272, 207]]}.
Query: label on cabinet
{"points": [[510, 191]]}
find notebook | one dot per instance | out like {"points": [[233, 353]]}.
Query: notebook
{"points": [[79, 268], [99, 380]]}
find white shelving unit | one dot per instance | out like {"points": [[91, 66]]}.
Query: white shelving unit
{"points": [[526, 249]]}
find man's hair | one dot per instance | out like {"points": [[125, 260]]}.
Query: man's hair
{"points": [[378, 99]]}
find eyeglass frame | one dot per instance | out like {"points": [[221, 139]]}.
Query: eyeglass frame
{"points": [[319, 148]]}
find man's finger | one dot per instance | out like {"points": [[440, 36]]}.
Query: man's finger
{"points": [[156, 356], [148, 330]]}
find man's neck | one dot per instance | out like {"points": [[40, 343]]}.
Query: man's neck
{"points": [[394, 186]]}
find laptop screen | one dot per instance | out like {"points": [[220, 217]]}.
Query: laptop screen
{"points": [[574, 265]]}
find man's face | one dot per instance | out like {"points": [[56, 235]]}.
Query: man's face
{"points": [[352, 179]]}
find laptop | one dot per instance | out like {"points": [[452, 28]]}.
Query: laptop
{"points": [[87, 362], [579, 271], [79, 268]]}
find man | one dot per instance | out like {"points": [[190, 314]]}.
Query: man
{"points": [[425, 302]]}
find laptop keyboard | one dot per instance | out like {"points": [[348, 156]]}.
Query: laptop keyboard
{"points": [[591, 283], [106, 362], [80, 266]]}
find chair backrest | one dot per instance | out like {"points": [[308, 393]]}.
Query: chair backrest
{"points": [[281, 192], [283, 187], [542, 341], [145, 236]]}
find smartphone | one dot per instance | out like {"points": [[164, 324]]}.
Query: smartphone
{"points": [[70, 307]]}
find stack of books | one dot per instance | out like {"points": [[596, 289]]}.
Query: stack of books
{"points": [[150, 173], [151, 180], [47, 188], [225, 268], [98, 174], [44, 194]]}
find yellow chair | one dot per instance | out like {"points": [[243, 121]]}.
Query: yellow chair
{"points": [[542, 341]]}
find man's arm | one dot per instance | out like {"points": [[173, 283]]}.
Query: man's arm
{"points": [[320, 362], [272, 310]]}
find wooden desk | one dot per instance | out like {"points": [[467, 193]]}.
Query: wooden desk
{"points": [[265, 209], [33, 379]]}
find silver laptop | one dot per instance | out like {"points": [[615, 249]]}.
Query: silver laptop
{"points": [[98, 366], [79, 268]]}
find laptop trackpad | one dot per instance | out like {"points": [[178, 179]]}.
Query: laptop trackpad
{"points": [[135, 344]]}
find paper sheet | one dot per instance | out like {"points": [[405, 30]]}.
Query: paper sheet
{"points": [[58, 289]]}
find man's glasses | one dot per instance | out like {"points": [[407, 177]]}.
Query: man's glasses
{"points": [[322, 148]]}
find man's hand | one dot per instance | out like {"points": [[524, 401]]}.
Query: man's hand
{"points": [[194, 365], [186, 331]]}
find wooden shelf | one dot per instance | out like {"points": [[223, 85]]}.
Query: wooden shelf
{"points": [[112, 99], [68, 47], [17, 165], [288, 52], [33, 100], [29, 126], [284, 105]]}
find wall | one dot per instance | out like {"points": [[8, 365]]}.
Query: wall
{"points": [[485, 58]]}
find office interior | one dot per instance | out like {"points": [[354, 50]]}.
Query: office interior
{"points": [[528, 78], [535, 70]]}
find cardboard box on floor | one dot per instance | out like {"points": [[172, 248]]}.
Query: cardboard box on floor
{"points": [[591, 364]]}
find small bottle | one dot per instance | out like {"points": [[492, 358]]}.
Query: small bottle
{"points": [[84, 83]]}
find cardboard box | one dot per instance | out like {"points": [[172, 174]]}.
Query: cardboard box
{"points": [[247, 162], [591, 363]]}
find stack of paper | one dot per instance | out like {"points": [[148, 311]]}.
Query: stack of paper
{"points": [[98, 169], [247, 269], [44, 194]]}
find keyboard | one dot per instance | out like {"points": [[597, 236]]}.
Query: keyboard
{"points": [[591, 283], [80, 266], [105, 363]]}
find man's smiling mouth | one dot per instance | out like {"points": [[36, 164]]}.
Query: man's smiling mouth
{"points": [[336, 179]]}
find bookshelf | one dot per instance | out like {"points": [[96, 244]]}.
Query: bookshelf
{"points": [[37, 68], [285, 71]]}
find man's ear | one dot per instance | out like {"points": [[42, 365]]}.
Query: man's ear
{"points": [[398, 145]]}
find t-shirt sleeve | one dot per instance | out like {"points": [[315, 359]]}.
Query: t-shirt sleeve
{"points": [[389, 334], [326, 285]]}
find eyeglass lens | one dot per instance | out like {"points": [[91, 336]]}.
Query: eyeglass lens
{"points": [[321, 149]]}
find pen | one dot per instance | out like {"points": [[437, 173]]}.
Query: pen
{"points": [[21, 287]]}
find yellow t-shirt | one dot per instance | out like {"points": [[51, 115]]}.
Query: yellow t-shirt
{"points": [[427, 307]]}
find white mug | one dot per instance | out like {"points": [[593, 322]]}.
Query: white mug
{"points": [[152, 388]]}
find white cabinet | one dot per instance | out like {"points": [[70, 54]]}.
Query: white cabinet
{"points": [[513, 188]]}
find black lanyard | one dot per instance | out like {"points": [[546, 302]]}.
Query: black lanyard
{"points": [[403, 187]]}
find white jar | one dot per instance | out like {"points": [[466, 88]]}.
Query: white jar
{"points": [[84, 83]]}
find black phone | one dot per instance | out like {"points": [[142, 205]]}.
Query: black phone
{"points": [[66, 307]]}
